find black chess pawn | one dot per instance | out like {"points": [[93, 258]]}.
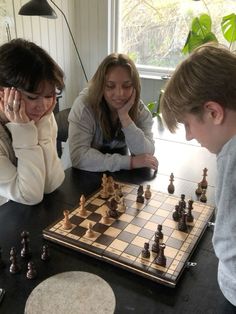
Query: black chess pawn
{"points": [[112, 212], [182, 202], [175, 214], [45, 256], [159, 232], [171, 187], [161, 259], [203, 197], [182, 225], [31, 273], [14, 267], [189, 216], [140, 197], [25, 251], [155, 246], [145, 251]]}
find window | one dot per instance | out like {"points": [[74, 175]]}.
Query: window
{"points": [[153, 32]]}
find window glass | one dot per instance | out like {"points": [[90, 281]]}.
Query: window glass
{"points": [[153, 32]]}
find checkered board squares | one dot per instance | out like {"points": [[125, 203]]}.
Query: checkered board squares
{"points": [[120, 241]]}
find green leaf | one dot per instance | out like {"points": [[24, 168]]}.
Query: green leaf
{"points": [[228, 27], [201, 25]]}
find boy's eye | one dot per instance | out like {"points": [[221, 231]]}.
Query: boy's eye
{"points": [[32, 97]]}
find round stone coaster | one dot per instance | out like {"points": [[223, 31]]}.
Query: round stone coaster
{"points": [[72, 292]]}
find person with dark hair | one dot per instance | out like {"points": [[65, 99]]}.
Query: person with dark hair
{"points": [[108, 119], [29, 81], [201, 95]]}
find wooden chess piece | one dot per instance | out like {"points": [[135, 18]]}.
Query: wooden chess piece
{"points": [[182, 202], [105, 218], [198, 191], [45, 256], [14, 267], [82, 210], [110, 185], [25, 251], [171, 187], [155, 246], [112, 204], [67, 225], [140, 197], [203, 197], [189, 216], [89, 233], [175, 214], [104, 192], [204, 182], [161, 259], [159, 231], [148, 193], [145, 251], [182, 225], [31, 273], [121, 206]]}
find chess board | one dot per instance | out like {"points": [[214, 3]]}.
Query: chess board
{"points": [[121, 241]]}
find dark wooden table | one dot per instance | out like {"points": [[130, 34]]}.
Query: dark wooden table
{"points": [[197, 290]]}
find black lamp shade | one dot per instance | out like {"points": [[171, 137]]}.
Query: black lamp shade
{"points": [[38, 7]]}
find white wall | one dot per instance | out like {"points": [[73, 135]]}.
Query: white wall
{"points": [[88, 20]]}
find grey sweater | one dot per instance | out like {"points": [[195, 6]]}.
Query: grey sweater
{"points": [[224, 238], [86, 142]]}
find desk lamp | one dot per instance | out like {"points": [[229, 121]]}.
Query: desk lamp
{"points": [[42, 8]]}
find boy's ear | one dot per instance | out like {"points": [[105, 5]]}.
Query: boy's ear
{"points": [[215, 112]]}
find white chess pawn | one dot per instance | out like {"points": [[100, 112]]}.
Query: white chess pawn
{"points": [[148, 193], [121, 206]]}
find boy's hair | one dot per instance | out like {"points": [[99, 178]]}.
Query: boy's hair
{"points": [[25, 65], [208, 74], [97, 85]]}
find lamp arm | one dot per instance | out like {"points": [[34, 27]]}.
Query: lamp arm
{"points": [[76, 49]]}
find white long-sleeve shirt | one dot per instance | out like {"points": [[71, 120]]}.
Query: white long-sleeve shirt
{"points": [[29, 165], [87, 145]]}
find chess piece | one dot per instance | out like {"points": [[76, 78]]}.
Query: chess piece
{"points": [[121, 206], [189, 216], [82, 210], [182, 225], [25, 251], [105, 218], [104, 192], [175, 214], [159, 232], [89, 233], [110, 185], [182, 202], [204, 182], [140, 197], [112, 204], [45, 256], [155, 246], [14, 267], [171, 187], [145, 251], [147, 193], [198, 191], [67, 225], [203, 197], [119, 191], [161, 259], [31, 273]]}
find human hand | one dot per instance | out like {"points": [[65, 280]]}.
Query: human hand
{"points": [[124, 110], [13, 106], [144, 160]]}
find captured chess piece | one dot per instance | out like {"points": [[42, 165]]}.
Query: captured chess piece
{"points": [[148, 193], [45, 256], [171, 187], [161, 259], [140, 197], [82, 210], [67, 225], [145, 251], [203, 197], [31, 273], [198, 191], [204, 182], [14, 267], [25, 251]]}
